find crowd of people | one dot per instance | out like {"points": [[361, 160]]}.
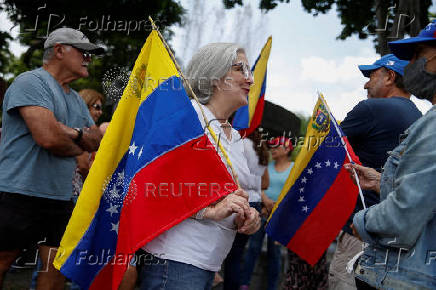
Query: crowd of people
{"points": [[49, 138]]}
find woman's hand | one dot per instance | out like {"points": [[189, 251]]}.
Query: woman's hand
{"points": [[236, 202], [250, 224], [369, 178]]}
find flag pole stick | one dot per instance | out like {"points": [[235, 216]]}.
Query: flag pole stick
{"points": [[346, 150], [188, 86]]}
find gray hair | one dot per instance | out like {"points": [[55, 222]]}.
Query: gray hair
{"points": [[49, 53], [209, 64]]}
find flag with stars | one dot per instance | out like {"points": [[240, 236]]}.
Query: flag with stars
{"points": [[155, 167], [319, 195], [249, 117]]}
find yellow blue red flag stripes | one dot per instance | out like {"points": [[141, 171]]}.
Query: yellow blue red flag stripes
{"points": [[319, 195], [249, 117], [154, 168]]}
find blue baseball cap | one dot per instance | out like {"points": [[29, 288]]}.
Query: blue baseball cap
{"points": [[404, 48], [388, 61]]}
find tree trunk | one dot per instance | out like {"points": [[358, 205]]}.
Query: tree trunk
{"points": [[416, 25], [381, 12], [401, 16], [407, 17]]}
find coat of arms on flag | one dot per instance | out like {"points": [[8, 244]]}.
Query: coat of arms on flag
{"points": [[321, 120]]}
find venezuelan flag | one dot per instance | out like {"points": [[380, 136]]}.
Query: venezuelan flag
{"points": [[248, 118], [319, 195], [154, 168]]}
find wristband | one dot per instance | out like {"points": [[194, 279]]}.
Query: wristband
{"points": [[79, 136]]}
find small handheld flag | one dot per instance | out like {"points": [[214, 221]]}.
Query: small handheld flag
{"points": [[319, 195]]}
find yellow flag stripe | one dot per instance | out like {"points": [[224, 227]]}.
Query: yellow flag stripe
{"points": [[259, 75]]}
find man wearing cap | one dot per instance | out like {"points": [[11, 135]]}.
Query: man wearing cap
{"points": [[45, 125], [373, 127], [401, 230]]}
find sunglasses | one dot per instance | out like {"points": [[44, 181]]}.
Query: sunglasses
{"points": [[97, 107], [86, 54]]}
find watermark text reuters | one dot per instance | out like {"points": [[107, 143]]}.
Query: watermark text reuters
{"points": [[181, 189]]}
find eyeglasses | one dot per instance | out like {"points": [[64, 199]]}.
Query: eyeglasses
{"points": [[244, 68], [97, 107]]}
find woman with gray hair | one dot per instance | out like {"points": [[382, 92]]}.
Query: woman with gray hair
{"points": [[187, 255]]}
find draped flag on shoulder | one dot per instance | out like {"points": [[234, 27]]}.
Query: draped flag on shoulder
{"points": [[319, 195], [154, 168], [249, 117]]}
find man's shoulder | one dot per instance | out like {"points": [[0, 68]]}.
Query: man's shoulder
{"points": [[360, 108], [29, 77], [375, 102], [31, 88], [392, 105], [398, 101]]}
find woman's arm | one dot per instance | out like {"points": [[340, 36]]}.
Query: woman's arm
{"points": [[265, 180]]}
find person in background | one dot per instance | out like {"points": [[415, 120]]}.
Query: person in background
{"points": [[46, 125], [373, 128], [281, 149], [94, 100], [256, 154], [401, 230]]}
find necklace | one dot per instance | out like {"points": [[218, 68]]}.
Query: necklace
{"points": [[225, 125]]}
